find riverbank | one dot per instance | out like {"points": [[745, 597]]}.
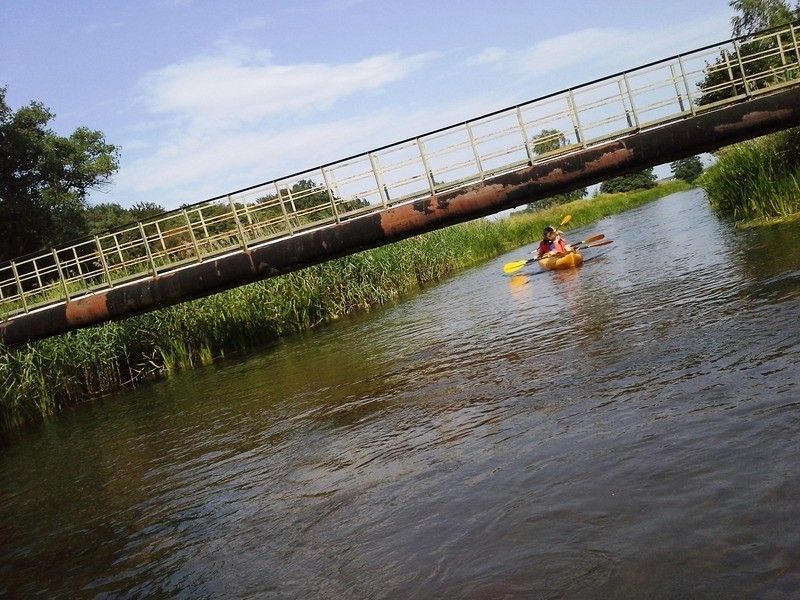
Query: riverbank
{"points": [[769, 221], [41, 378], [757, 182]]}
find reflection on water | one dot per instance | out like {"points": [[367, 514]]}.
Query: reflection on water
{"points": [[628, 429]]}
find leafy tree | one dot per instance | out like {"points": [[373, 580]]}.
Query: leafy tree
{"points": [[546, 141], [106, 216], [141, 211], [641, 180], [687, 169], [303, 197], [753, 16], [549, 140], [45, 178]]}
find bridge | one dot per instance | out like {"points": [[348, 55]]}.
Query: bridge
{"points": [[657, 113]]}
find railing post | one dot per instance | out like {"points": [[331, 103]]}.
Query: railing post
{"points": [[334, 185], [624, 102], [426, 166], [376, 171], [247, 215], [576, 120], [686, 85], [294, 206], [741, 67], [630, 99], [36, 273], [119, 250], [202, 222], [147, 249], [192, 236], [677, 88], [732, 79], [475, 151], [525, 135], [238, 223], [794, 43], [780, 50], [160, 237], [331, 197], [283, 209], [78, 265], [19, 286], [61, 275], [102, 258]]}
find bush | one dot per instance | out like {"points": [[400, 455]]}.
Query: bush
{"points": [[757, 179]]}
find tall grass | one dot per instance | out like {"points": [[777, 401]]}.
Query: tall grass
{"points": [[757, 179], [38, 379]]}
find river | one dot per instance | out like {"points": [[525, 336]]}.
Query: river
{"points": [[627, 429]]}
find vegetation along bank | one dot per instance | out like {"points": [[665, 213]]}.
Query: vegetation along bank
{"points": [[38, 379], [757, 181]]}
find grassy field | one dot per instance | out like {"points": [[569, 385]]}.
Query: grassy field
{"points": [[38, 379]]}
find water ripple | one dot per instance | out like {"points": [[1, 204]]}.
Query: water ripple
{"points": [[627, 429]]}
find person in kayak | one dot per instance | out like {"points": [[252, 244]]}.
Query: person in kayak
{"points": [[552, 243]]}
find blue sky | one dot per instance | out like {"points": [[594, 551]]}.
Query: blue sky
{"points": [[206, 97]]}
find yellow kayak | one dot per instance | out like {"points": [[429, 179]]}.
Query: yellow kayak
{"points": [[568, 261]]}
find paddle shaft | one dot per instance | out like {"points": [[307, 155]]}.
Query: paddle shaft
{"points": [[587, 243]]}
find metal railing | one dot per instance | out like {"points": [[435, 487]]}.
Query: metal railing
{"points": [[675, 88]]}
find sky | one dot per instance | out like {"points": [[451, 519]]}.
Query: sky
{"points": [[206, 97]]}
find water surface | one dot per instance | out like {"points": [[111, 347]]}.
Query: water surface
{"points": [[628, 429]]}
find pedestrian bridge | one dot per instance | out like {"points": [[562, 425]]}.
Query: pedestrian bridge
{"points": [[669, 109]]}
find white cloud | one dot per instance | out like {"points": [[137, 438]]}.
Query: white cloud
{"points": [[492, 55], [240, 86], [200, 164], [602, 51], [235, 117]]}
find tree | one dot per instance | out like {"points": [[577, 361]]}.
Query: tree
{"points": [[546, 141], [141, 211], [307, 194], [687, 169], [755, 15], [549, 140], [45, 178], [106, 216], [641, 180]]}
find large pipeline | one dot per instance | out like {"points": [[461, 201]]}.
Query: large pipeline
{"points": [[652, 147]]}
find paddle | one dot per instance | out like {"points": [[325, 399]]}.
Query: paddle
{"points": [[577, 247], [518, 264]]}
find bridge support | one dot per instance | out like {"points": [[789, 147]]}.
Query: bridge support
{"points": [[659, 145]]}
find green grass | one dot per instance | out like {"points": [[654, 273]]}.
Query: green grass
{"points": [[757, 180], [39, 379]]}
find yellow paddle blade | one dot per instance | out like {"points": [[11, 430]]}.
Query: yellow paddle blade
{"points": [[565, 220], [514, 266]]}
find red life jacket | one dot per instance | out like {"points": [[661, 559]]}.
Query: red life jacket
{"points": [[558, 246]]}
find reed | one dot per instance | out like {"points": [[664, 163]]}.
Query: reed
{"points": [[758, 179], [38, 379]]}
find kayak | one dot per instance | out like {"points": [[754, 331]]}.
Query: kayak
{"points": [[568, 261]]}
